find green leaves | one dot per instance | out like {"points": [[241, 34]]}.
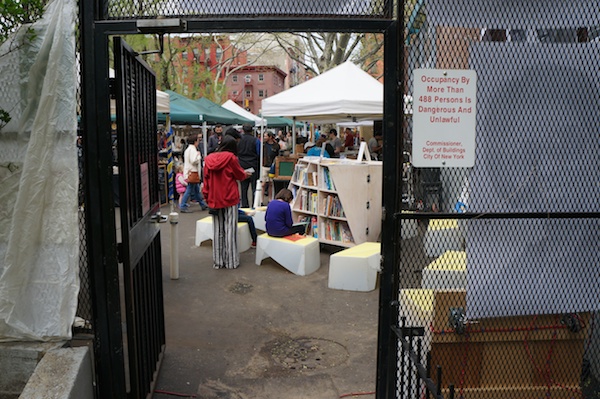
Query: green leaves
{"points": [[14, 13], [4, 118]]}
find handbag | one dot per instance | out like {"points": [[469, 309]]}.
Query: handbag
{"points": [[193, 177]]}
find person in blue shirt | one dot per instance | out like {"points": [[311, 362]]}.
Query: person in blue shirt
{"points": [[278, 218], [313, 150]]}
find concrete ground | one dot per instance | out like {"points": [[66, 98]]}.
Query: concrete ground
{"points": [[261, 332]]}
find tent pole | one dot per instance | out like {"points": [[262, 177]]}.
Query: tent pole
{"points": [[258, 193], [294, 136], [204, 138]]}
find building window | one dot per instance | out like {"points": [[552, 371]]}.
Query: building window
{"points": [[261, 77], [219, 54], [196, 54], [261, 93], [248, 94], [234, 78], [184, 55], [235, 93]]}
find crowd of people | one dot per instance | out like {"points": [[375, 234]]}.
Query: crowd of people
{"points": [[224, 180]]}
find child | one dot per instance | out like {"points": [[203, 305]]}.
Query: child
{"points": [[278, 217], [180, 182]]}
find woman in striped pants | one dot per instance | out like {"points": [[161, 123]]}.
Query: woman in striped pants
{"points": [[222, 170]]}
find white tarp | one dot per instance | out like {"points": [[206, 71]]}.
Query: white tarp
{"points": [[233, 107], [39, 234], [344, 93]]}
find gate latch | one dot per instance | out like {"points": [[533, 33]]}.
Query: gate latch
{"points": [[159, 218]]}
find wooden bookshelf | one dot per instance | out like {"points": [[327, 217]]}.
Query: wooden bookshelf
{"points": [[340, 198]]}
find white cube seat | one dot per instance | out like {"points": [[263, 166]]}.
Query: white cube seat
{"points": [[204, 232], [355, 268], [300, 257], [447, 272]]}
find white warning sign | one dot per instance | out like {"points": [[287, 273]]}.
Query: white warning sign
{"points": [[444, 118]]}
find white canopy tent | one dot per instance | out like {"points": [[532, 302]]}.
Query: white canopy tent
{"points": [[233, 107], [344, 93]]}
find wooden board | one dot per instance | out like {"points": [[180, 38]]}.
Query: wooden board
{"points": [[526, 351]]}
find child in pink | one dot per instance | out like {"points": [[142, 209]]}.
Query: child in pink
{"points": [[180, 182]]}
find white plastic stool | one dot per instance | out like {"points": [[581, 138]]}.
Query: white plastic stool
{"points": [[301, 257], [355, 268], [204, 231]]}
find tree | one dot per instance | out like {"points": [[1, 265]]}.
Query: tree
{"points": [[13, 15], [318, 52]]}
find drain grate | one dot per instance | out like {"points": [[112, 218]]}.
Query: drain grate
{"points": [[308, 353], [240, 288]]}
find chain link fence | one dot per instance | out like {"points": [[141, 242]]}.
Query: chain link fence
{"points": [[499, 225]]}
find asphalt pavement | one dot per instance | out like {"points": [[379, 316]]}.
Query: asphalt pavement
{"points": [[261, 332]]}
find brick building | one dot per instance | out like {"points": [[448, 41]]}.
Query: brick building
{"points": [[248, 86]]}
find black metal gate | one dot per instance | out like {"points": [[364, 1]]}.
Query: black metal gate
{"points": [[495, 283], [139, 249]]}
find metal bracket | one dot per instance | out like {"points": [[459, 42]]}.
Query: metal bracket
{"points": [[162, 26], [457, 320]]}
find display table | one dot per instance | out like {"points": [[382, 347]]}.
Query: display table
{"points": [[449, 271]]}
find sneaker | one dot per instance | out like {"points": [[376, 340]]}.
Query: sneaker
{"points": [[204, 207], [185, 210], [253, 245]]}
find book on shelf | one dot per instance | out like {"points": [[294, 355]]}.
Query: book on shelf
{"points": [[334, 230], [332, 206], [313, 202], [315, 180], [327, 182]]}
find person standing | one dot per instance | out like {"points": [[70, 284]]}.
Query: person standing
{"points": [[191, 173], [335, 142], [270, 152], [248, 157], [215, 139], [376, 147], [180, 183], [349, 139], [222, 170]]}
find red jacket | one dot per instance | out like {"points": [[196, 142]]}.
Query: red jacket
{"points": [[222, 170]]}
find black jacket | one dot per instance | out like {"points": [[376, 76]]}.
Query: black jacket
{"points": [[247, 152]]}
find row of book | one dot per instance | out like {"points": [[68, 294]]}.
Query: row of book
{"points": [[303, 177], [332, 206], [311, 225], [334, 230], [327, 182], [308, 201]]}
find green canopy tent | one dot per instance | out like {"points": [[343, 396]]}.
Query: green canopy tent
{"points": [[210, 115], [181, 116], [279, 121], [224, 113]]}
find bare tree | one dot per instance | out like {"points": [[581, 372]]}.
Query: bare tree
{"points": [[318, 52], [253, 45]]}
